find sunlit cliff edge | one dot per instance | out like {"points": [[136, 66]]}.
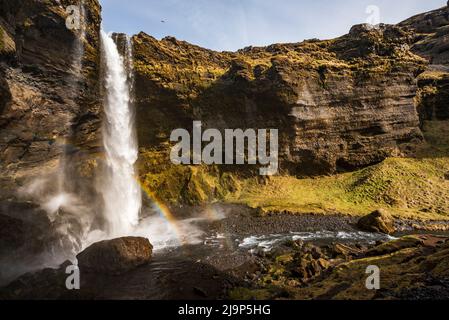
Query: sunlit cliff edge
{"points": [[362, 118]]}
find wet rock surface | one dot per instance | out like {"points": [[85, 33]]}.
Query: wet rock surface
{"points": [[115, 256], [161, 279], [226, 270], [50, 79]]}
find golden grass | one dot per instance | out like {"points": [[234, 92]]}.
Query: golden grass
{"points": [[407, 187]]}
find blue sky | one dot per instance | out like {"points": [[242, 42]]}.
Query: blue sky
{"points": [[234, 24]]}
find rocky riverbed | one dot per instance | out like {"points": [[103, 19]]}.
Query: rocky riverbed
{"points": [[246, 256]]}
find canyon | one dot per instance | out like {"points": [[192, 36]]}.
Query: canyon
{"points": [[340, 104], [362, 122]]}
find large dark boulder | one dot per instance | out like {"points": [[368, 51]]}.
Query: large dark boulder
{"points": [[378, 221], [115, 257]]}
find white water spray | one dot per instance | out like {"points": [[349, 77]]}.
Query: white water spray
{"points": [[121, 191]]}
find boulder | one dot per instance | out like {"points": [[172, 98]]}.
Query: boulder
{"points": [[378, 221], [115, 257], [396, 245]]}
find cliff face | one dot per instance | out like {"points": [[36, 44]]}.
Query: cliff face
{"points": [[338, 104], [430, 35], [431, 41], [49, 105], [49, 86]]}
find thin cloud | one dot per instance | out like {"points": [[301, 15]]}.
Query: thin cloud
{"points": [[234, 24]]}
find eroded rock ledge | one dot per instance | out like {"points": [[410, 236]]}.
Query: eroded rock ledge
{"points": [[338, 104]]}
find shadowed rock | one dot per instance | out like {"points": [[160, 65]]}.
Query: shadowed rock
{"points": [[378, 221], [115, 257]]}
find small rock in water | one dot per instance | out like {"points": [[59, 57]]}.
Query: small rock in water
{"points": [[115, 257], [378, 221]]}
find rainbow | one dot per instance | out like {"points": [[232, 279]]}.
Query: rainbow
{"points": [[164, 211]]}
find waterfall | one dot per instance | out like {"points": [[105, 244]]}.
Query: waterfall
{"points": [[120, 189]]}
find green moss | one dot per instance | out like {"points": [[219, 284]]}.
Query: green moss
{"points": [[396, 245], [433, 75], [28, 23], [404, 269], [405, 264], [178, 184], [406, 187], [414, 188]]}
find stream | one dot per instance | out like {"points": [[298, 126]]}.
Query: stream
{"points": [[234, 234]]}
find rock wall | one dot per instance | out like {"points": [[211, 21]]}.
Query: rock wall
{"points": [[338, 104], [431, 41], [49, 87], [50, 116]]}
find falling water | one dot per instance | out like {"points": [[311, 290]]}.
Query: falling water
{"points": [[121, 191]]}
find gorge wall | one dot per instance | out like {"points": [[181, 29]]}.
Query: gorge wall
{"points": [[49, 88], [431, 41], [50, 116], [339, 104]]}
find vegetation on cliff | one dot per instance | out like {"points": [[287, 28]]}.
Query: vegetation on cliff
{"points": [[351, 111], [407, 187]]}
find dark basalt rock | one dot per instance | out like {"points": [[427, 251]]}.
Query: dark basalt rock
{"points": [[28, 240], [42, 97], [378, 221], [431, 41], [5, 94], [115, 257], [339, 105], [413, 267]]}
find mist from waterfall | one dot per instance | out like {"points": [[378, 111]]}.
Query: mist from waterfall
{"points": [[71, 219], [80, 214], [120, 190], [69, 214]]}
